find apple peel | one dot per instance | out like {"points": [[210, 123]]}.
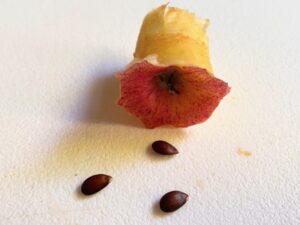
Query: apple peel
{"points": [[170, 80], [198, 94]]}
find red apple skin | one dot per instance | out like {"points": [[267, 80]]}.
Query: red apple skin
{"points": [[197, 94]]}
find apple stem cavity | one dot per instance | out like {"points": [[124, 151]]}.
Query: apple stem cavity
{"points": [[169, 81]]}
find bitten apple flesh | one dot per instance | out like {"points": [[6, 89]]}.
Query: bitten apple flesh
{"points": [[170, 80]]}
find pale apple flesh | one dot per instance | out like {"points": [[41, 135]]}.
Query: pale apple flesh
{"points": [[175, 37]]}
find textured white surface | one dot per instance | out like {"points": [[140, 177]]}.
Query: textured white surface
{"points": [[57, 59]]}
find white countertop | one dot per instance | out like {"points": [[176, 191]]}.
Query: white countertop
{"points": [[57, 61]]}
